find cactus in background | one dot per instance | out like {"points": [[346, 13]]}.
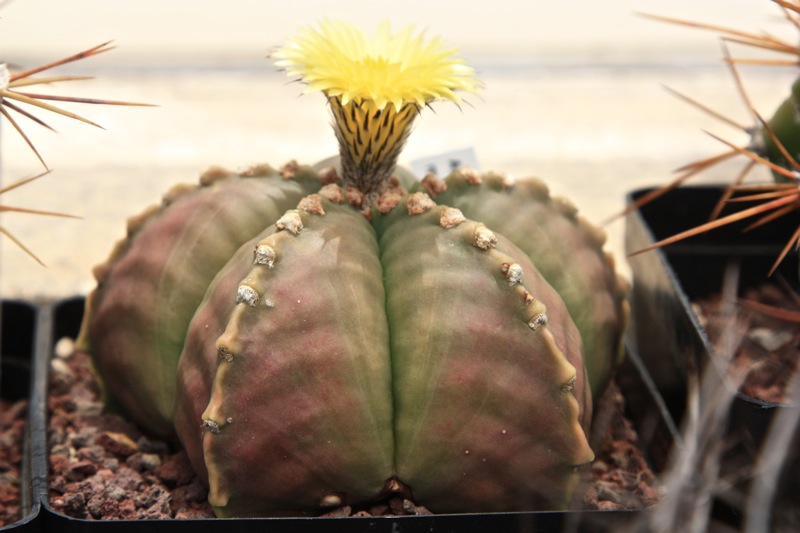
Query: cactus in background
{"points": [[12, 209], [11, 97], [337, 334], [773, 143]]}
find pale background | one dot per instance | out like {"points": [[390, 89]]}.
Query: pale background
{"points": [[573, 94]]}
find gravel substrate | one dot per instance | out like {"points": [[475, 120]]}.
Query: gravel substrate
{"points": [[768, 352], [12, 431], [103, 467]]}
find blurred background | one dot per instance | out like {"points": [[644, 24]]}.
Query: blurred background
{"points": [[573, 94]]}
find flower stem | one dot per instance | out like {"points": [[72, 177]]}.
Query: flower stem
{"points": [[370, 140]]}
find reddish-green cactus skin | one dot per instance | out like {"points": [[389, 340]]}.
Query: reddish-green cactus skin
{"points": [[170, 255], [421, 352], [567, 250], [300, 380], [486, 415]]}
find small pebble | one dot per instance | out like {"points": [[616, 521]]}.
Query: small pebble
{"points": [[61, 377], [75, 504], [117, 443], [93, 453], [117, 493], [152, 446], [83, 437], [150, 461], [84, 468], [96, 506], [111, 463], [64, 348], [770, 339]]}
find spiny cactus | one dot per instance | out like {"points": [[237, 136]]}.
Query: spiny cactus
{"points": [[773, 143], [13, 209], [11, 97], [319, 336]]}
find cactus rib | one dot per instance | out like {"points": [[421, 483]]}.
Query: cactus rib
{"points": [[566, 249], [170, 255], [325, 351]]}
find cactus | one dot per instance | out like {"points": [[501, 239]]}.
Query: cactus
{"points": [[12, 209], [349, 333], [781, 137], [773, 143], [10, 96]]}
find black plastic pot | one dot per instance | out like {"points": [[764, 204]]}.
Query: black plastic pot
{"points": [[665, 330], [19, 343], [63, 319]]}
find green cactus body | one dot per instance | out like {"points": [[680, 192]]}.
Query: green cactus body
{"points": [[342, 378], [786, 127], [519, 432], [167, 261], [567, 250], [301, 371], [329, 340]]}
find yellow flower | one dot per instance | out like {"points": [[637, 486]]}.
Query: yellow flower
{"points": [[341, 60], [376, 85]]}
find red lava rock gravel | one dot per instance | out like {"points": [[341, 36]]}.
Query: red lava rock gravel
{"points": [[619, 478], [103, 467], [12, 430], [768, 353]]}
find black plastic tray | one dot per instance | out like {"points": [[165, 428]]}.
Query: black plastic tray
{"points": [[19, 343], [665, 330], [63, 319]]}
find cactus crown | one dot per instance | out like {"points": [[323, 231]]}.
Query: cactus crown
{"points": [[376, 85]]}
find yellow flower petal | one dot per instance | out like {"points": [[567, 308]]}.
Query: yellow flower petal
{"points": [[386, 67], [376, 85]]}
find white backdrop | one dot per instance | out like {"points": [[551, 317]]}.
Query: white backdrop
{"points": [[573, 94]]}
